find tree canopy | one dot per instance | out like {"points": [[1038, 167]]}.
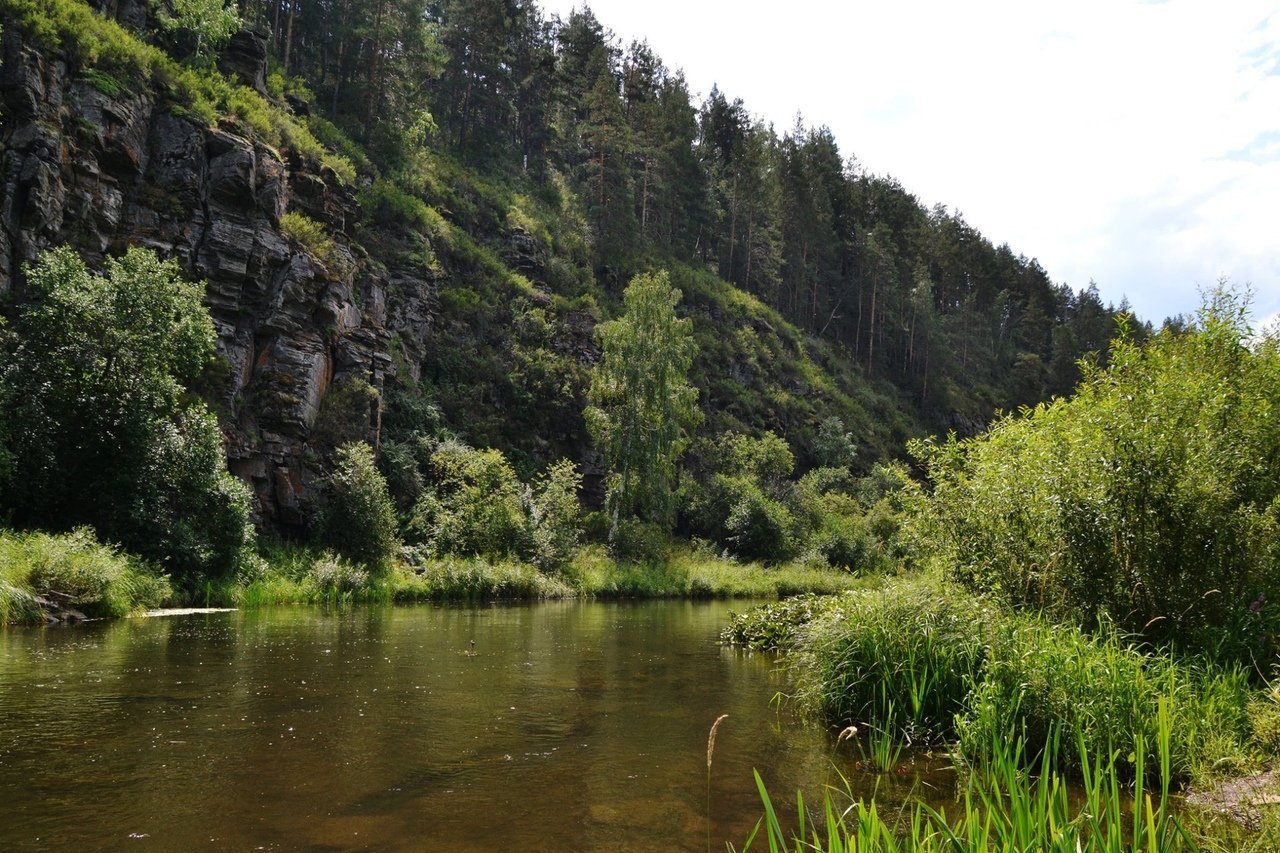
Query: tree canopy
{"points": [[643, 408], [100, 428]]}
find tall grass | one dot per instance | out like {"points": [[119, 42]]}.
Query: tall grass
{"points": [[946, 665], [72, 570], [912, 650], [1005, 807], [690, 573]]}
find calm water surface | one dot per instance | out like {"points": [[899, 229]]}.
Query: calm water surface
{"points": [[571, 726]]}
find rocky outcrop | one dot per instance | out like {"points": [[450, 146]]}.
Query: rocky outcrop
{"points": [[102, 172], [245, 58]]}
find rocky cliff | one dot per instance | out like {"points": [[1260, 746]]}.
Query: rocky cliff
{"points": [[101, 171]]}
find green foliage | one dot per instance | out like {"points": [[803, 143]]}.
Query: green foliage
{"points": [[747, 505], [944, 664], [211, 21], [313, 237], [1005, 806], [336, 577], [345, 414], [73, 569], [359, 519], [757, 526], [642, 407], [472, 506], [833, 447], [913, 650], [774, 627], [1150, 500], [1055, 686], [99, 45], [100, 429], [554, 512]]}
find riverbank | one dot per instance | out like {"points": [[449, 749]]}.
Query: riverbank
{"points": [[1015, 697], [300, 576], [65, 577]]}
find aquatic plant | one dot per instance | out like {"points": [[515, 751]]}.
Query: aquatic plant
{"points": [[1004, 807]]}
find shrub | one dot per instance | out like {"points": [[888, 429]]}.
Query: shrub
{"points": [[757, 527], [359, 519], [312, 236], [76, 570], [554, 513], [472, 506], [1150, 500], [102, 430], [334, 576]]}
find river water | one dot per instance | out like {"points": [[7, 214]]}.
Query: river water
{"points": [[566, 726]]}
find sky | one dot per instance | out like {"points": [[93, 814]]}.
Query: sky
{"points": [[1132, 144]]}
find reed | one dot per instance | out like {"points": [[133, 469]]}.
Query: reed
{"points": [[711, 752], [1004, 807]]}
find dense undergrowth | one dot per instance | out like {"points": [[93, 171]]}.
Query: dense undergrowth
{"points": [[39, 571], [939, 664], [1095, 590]]}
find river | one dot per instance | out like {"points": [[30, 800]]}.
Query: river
{"points": [[554, 726]]}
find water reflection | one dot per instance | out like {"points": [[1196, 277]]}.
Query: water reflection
{"points": [[565, 726]]}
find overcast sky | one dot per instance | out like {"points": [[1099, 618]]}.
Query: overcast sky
{"points": [[1134, 144]]}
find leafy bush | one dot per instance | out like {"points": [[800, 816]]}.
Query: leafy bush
{"points": [[359, 519], [774, 627], [757, 527], [638, 541], [1150, 500], [472, 506], [101, 428], [742, 504], [554, 512]]}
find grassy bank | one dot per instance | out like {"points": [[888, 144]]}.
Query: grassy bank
{"points": [[1024, 704], [940, 664], [39, 570], [302, 576], [42, 572]]}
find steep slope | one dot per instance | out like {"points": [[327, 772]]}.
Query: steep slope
{"points": [[442, 288]]}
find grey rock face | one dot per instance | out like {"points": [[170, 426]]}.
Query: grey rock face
{"points": [[245, 58], [102, 173]]}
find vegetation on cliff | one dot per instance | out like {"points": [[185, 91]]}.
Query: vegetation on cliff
{"points": [[516, 172]]}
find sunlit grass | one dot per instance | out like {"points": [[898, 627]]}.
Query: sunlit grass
{"points": [[1004, 806], [74, 570]]}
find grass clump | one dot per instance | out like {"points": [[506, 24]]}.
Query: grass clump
{"points": [[474, 579], [913, 649], [1043, 680], [311, 236], [944, 664], [1005, 807], [73, 570]]}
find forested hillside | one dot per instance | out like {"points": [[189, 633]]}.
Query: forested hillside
{"points": [[412, 217]]}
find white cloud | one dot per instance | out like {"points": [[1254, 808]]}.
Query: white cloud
{"points": [[1133, 144]]}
